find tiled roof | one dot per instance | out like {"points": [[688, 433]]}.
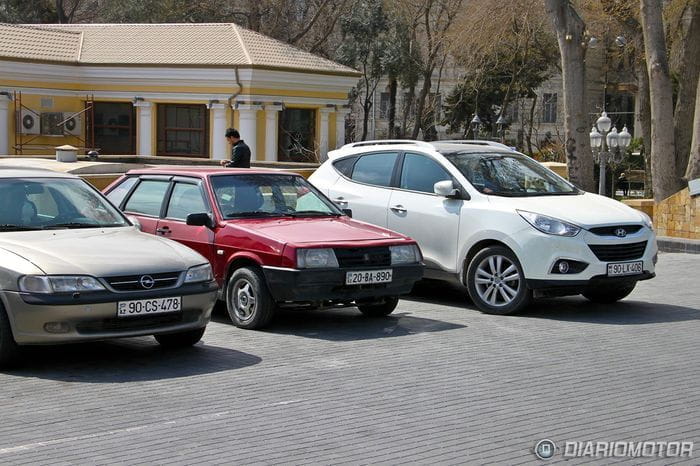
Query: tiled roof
{"points": [[188, 44], [31, 43]]}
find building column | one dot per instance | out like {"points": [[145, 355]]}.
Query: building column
{"points": [[271, 125], [342, 112], [248, 126], [145, 124], [323, 137], [4, 125], [219, 147]]}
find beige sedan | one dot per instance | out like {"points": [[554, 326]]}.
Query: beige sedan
{"points": [[73, 268]]}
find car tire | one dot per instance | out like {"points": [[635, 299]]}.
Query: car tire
{"points": [[379, 309], [9, 350], [488, 284], [609, 294], [248, 300], [180, 339]]}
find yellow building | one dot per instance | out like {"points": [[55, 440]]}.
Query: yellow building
{"points": [[167, 90]]}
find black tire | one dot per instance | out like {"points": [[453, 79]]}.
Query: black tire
{"points": [[9, 350], [490, 296], [246, 283], [609, 294], [180, 339], [379, 309]]}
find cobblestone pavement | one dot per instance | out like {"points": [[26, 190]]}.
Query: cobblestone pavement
{"points": [[437, 382]]}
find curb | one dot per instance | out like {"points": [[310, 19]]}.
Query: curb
{"points": [[670, 244]]}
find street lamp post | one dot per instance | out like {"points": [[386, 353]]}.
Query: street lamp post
{"points": [[607, 146], [475, 124], [501, 125]]}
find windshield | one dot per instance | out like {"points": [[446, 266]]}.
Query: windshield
{"points": [[509, 175], [54, 203], [269, 195]]}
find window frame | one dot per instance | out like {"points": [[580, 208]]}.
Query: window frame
{"points": [[92, 138], [166, 179], [399, 172], [392, 177], [162, 130], [549, 107]]}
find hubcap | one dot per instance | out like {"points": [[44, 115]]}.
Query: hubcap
{"points": [[497, 281], [244, 302]]}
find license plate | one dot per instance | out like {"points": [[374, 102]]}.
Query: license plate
{"points": [[144, 307], [625, 268], [371, 276]]}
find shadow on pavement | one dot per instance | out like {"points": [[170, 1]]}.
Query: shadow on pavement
{"points": [[625, 312], [572, 308], [127, 360], [349, 325]]}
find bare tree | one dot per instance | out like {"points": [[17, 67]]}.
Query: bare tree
{"points": [[570, 30], [663, 161], [693, 171]]}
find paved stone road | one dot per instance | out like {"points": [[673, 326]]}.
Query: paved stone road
{"points": [[438, 382]]}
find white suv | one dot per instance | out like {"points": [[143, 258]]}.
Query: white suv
{"points": [[494, 220]]}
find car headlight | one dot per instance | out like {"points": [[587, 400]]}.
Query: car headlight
{"points": [[59, 284], [405, 254], [200, 273], [317, 258], [549, 225], [646, 220]]}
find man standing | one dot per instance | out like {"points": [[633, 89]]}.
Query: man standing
{"points": [[240, 152]]}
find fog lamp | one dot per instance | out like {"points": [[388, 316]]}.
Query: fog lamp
{"points": [[563, 267], [57, 327]]}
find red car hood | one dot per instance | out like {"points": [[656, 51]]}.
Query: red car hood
{"points": [[319, 231]]}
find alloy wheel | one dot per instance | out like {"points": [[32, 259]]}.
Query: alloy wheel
{"points": [[497, 280], [244, 300]]}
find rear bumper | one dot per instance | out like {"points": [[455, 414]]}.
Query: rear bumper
{"points": [[294, 285], [96, 319]]}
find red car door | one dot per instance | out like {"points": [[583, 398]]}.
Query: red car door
{"points": [[187, 197], [146, 201]]}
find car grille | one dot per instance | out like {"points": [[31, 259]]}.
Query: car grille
{"points": [[612, 231], [136, 323], [361, 257], [135, 282], [618, 252]]}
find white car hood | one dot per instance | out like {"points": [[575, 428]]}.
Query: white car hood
{"points": [[100, 252], [586, 210]]}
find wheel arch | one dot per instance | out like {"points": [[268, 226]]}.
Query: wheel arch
{"points": [[474, 250]]}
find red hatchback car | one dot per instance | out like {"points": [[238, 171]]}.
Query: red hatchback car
{"points": [[273, 240]]}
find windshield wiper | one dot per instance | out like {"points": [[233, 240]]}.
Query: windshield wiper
{"points": [[255, 213], [313, 213], [75, 225], [13, 227]]}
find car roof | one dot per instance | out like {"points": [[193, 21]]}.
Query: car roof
{"points": [[444, 147], [203, 172], [26, 172], [463, 146]]}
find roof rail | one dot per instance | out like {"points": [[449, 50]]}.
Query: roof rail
{"points": [[382, 142]]}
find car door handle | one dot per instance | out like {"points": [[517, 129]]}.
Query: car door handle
{"points": [[398, 208], [163, 230], [340, 201]]}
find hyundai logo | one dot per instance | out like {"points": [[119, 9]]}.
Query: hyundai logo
{"points": [[147, 282], [620, 232]]}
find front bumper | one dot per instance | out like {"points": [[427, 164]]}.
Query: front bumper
{"points": [[294, 285], [94, 317]]}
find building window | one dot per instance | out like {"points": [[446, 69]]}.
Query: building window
{"points": [[409, 104], [384, 105], [297, 135], [182, 130], [114, 128], [549, 108]]}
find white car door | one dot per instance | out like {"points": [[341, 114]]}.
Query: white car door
{"points": [[432, 220], [365, 188]]}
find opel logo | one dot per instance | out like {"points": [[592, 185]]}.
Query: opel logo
{"points": [[620, 232], [147, 282]]}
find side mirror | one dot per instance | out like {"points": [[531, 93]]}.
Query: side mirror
{"points": [[202, 219], [347, 212], [447, 189], [135, 221]]}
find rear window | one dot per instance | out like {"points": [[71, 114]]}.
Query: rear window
{"points": [[375, 169], [345, 166], [147, 198], [117, 195]]}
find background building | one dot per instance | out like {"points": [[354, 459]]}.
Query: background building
{"points": [[167, 90]]}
